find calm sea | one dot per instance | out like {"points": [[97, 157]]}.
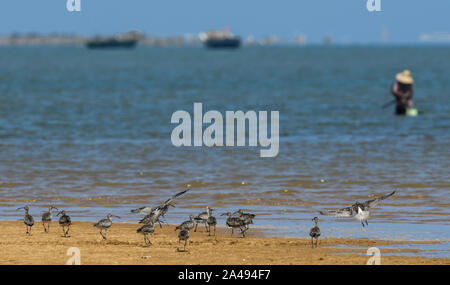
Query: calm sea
{"points": [[89, 131]]}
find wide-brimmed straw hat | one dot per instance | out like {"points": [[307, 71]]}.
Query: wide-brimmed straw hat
{"points": [[405, 77]]}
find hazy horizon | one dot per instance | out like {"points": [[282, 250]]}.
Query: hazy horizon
{"points": [[401, 21]]}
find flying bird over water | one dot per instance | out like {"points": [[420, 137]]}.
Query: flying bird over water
{"points": [[152, 218], [153, 214], [360, 211]]}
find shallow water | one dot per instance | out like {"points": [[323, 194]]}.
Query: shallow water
{"points": [[439, 250], [89, 131]]}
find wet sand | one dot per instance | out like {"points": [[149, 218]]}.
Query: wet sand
{"points": [[125, 246]]}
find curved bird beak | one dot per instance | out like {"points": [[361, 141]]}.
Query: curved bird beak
{"points": [[117, 216]]}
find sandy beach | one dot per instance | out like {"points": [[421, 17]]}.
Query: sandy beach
{"points": [[125, 246]]}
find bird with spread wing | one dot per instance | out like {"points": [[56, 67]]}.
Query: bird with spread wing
{"points": [[153, 214], [360, 211]]}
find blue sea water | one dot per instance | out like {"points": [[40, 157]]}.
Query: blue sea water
{"points": [[89, 131]]}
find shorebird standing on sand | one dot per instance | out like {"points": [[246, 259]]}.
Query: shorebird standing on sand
{"points": [[146, 230], [183, 235], [64, 221], [186, 225], [27, 219], [105, 224], [235, 222], [202, 218], [360, 211], [315, 232], [47, 218], [212, 222], [246, 217]]}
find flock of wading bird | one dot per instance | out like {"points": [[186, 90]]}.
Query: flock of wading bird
{"points": [[237, 220]]}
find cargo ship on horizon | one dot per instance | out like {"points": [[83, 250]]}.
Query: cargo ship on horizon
{"points": [[220, 39], [127, 41]]}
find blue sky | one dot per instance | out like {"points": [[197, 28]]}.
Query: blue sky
{"points": [[344, 20]]}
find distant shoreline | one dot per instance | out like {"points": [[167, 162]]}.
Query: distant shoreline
{"points": [[31, 39]]}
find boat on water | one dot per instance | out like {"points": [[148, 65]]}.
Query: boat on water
{"points": [[220, 39], [128, 40]]}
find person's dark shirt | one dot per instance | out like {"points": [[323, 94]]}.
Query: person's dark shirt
{"points": [[403, 93]]}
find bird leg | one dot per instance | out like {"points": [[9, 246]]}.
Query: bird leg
{"points": [[206, 227], [45, 230], [243, 230], [367, 223], [185, 241], [148, 242], [196, 224], [145, 240]]}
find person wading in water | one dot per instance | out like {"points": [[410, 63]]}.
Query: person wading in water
{"points": [[402, 90]]}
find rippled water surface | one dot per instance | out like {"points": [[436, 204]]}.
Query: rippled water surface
{"points": [[90, 131]]}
